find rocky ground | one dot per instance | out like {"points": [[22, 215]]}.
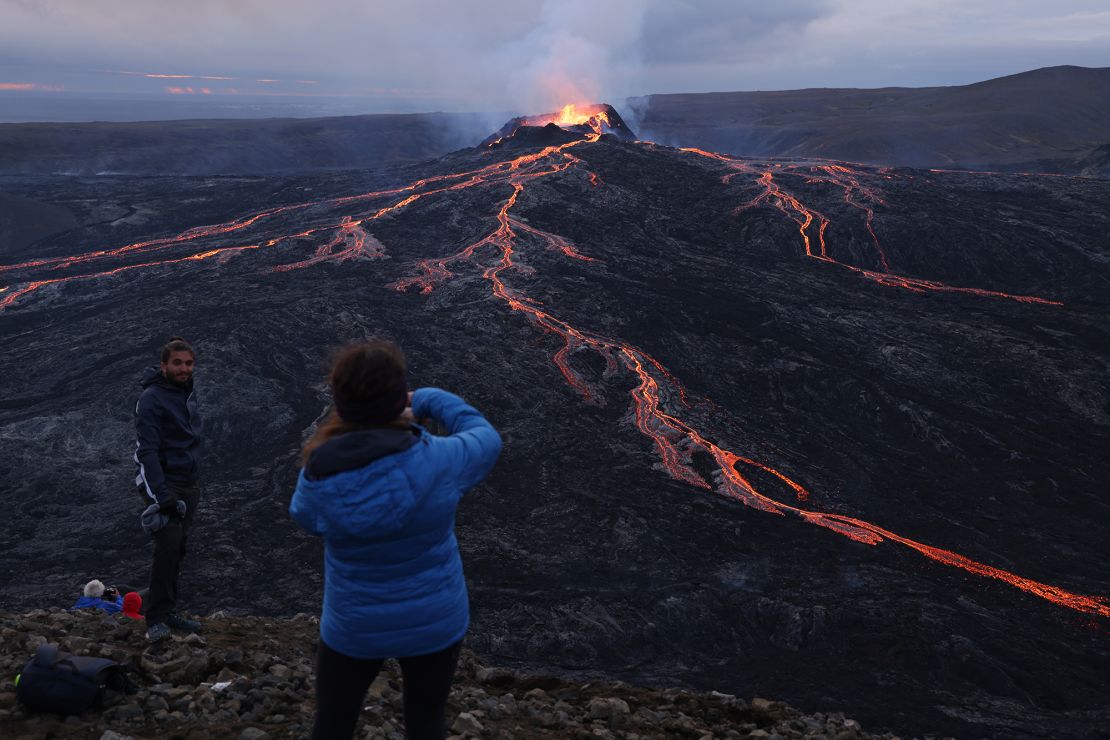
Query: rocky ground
{"points": [[252, 678]]}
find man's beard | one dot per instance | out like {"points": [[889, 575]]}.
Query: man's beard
{"points": [[181, 383]]}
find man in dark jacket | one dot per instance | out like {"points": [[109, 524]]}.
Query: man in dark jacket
{"points": [[168, 428]]}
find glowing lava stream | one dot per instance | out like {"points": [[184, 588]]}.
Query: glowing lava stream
{"points": [[244, 222], [674, 438], [345, 229], [791, 207]]}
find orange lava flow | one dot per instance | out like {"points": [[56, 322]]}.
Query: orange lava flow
{"points": [[595, 117], [222, 252], [676, 440], [849, 181], [238, 224], [734, 484], [657, 396], [774, 196], [345, 229], [349, 243], [793, 208], [436, 271]]}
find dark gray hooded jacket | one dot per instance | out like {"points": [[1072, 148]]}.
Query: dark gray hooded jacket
{"points": [[168, 431]]}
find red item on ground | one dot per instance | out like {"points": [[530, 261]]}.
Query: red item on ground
{"points": [[132, 604]]}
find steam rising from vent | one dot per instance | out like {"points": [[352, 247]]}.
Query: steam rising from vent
{"points": [[578, 52]]}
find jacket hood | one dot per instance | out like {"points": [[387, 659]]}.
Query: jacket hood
{"points": [[153, 376], [356, 450], [371, 497]]}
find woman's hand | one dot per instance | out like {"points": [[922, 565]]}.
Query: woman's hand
{"points": [[407, 415]]}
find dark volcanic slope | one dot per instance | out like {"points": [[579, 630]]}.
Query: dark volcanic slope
{"points": [[827, 433], [1042, 120], [272, 145]]}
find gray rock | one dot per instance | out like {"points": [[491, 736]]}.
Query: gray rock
{"points": [[495, 677], [766, 711], [261, 661], [281, 671], [538, 695], [253, 733], [610, 709], [226, 674], [467, 724]]}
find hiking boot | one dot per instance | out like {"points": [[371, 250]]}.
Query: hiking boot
{"points": [[181, 624], [157, 632]]}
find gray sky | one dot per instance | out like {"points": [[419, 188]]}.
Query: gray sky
{"points": [[524, 55]]}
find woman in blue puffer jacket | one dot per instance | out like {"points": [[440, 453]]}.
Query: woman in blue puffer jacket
{"points": [[382, 492]]}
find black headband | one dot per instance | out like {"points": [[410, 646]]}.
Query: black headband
{"points": [[380, 410]]}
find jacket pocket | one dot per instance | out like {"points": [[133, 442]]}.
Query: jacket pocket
{"points": [[179, 464]]}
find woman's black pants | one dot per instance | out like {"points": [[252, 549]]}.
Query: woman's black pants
{"points": [[341, 684]]}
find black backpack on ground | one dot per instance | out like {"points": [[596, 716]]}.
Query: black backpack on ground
{"points": [[62, 683]]}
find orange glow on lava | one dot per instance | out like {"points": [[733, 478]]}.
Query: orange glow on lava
{"points": [[593, 116], [658, 398], [675, 439], [774, 196]]}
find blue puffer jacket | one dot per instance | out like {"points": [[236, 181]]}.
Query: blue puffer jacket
{"points": [[384, 502], [87, 602]]}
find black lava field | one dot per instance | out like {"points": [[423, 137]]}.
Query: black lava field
{"points": [[832, 434]]}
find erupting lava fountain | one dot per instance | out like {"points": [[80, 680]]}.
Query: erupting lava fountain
{"points": [[600, 119]]}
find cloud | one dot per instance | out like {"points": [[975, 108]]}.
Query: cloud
{"points": [[724, 31], [535, 54], [29, 86], [716, 45], [578, 51]]}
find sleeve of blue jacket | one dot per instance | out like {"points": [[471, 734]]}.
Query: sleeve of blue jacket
{"points": [[148, 417], [474, 444], [303, 511]]}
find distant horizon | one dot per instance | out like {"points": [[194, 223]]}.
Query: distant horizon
{"points": [[354, 57], [123, 107]]}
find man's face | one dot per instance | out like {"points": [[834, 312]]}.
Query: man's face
{"points": [[179, 367]]}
